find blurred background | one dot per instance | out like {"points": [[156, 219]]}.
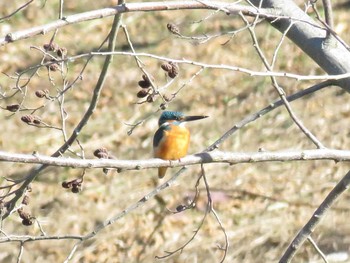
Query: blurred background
{"points": [[261, 206]]}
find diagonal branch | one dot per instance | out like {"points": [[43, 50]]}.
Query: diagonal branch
{"points": [[316, 218]]}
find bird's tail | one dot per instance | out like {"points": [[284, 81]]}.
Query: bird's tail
{"points": [[162, 171]]}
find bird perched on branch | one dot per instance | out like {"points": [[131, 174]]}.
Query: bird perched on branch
{"points": [[172, 138]]}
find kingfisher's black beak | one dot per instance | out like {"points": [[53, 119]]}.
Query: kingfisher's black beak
{"points": [[193, 118]]}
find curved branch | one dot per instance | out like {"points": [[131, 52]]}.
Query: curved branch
{"points": [[203, 157]]}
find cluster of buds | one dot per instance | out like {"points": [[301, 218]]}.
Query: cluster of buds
{"points": [[171, 68], [75, 185], [145, 84], [13, 107], [174, 29], [27, 219], [31, 119], [53, 47]]}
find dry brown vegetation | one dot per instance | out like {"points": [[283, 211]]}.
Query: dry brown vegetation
{"points": [[261, 206]]}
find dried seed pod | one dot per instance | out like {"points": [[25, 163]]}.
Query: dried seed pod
{"points": [[36, 119], [174, 70], [28, 221], [173, 28], [144, 84], [13, 107], [180, 208], [27, 118], [61, 52], [23, 214], [101, 153], [145, 78], [76, 188], [53, 67], [150, 98], [166, 98], [66, 184], [25, 200], [41, 93], [172, 74], [51, 47], [166, 67], [142, 93]]}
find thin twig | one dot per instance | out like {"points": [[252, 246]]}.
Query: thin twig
{"points": [[211, 66], [318, 250], [328, 14], [16, 11], [279, 89]]}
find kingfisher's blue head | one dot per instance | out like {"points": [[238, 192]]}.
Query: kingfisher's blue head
{"points": [[177, 117]]}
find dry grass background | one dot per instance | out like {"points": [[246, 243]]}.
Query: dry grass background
{"points": [[261, 206]]}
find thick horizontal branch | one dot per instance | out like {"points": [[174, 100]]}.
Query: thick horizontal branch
{"points": [[204, 157], [135, 7]]}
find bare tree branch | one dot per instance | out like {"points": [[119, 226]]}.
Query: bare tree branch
{"points": [[331, 56], [316, 218], [92, 106], [204, 157], [133, 7], [209, 66]]}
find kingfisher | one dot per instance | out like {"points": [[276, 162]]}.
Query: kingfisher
{"points": [[172, 138]]}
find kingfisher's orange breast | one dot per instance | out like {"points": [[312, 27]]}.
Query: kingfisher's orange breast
{"points": [[174, 143]]}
